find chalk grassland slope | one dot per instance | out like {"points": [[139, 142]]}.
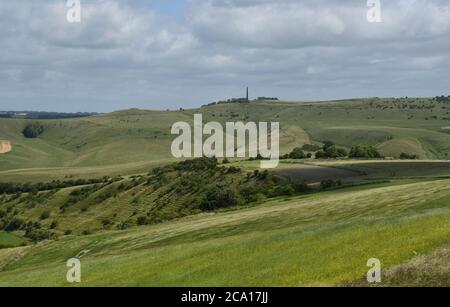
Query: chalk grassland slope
{"points": [[126, 140], [5, 146], [120, 204], [134, 141], [147, 199], [318, 239]]}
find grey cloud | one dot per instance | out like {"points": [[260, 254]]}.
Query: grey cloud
{"points": [[122, 55]]}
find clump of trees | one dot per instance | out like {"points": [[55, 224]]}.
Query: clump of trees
{"points": [[33, 230], [297, 154], [405, 156], [361, 151], [330, 184], [12, 187], [36, 234], [199, 164], [331, 151], [219, 197], [33, 130], [443, 99]]}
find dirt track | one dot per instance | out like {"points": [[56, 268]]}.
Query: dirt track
{"points": [[5, 146]]}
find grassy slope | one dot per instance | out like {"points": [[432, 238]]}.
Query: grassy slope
{"points": [[133, 141], [175, 197], [9, 240], [319, 239]]}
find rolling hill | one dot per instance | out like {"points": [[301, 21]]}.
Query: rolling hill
{"points": [[107, 188], [133, 141], [319, 239]]}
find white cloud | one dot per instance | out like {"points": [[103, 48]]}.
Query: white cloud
{"points": [[124, 55]]}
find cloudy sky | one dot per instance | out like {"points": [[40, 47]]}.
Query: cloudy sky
{"points": [[166, 54]]}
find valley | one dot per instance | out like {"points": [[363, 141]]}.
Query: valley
{"points": [[108, 184]]}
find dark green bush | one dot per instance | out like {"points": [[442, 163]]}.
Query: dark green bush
{"points": [[219, 197], [367, 152], [142, 220], [405, 156], [33, 130], [297, 153], [44, 215], [330, 184], [331, 151], [37, 235], [14, 224]]}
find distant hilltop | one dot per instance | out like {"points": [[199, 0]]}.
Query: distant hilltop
{"points": [[43, 115], [241, 100]]}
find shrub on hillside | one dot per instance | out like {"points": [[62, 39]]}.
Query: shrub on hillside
{"points": [[233, 170], [368, 152], [125, 224], [142, 220], [44, 215], [11, 187], [297, 153], [198, 164], [219, 197], [14, 224], [283, 190], [37, 235], [33, 130], [252, 194], [330, 184], [405, 156], [331, 152], [300, 187], [327, 144]]}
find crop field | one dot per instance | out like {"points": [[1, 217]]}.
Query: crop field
{"points": [[9, 240], [321, 239], [392, 169]]}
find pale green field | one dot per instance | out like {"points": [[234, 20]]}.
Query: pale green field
{"points": [[319, 239], [9, 240]]}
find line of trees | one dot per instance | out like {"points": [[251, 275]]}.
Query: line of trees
{"points": [[330, 151], [368, 152], [13, 188]]}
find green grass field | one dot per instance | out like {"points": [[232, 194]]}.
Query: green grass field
{"points": [[393, 210], [320, 239], [8, 240]]}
